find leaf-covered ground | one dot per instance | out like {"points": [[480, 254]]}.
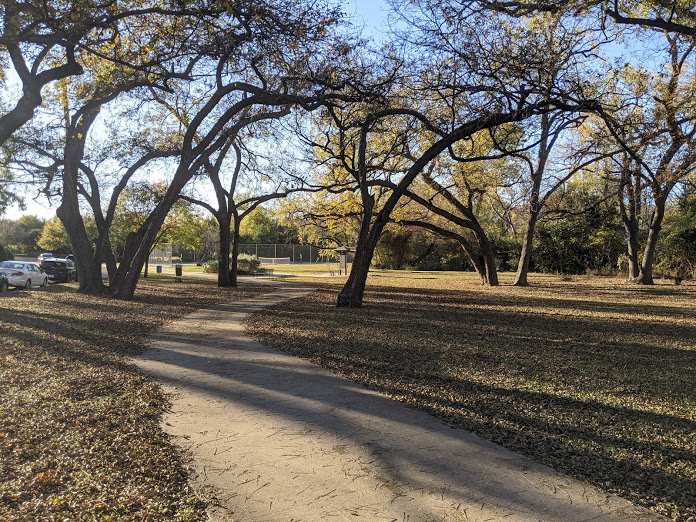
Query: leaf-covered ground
{"points": [[594, 377], [79, 428]]}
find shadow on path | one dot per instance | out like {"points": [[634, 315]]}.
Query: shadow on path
{"points": [[277, 438]]}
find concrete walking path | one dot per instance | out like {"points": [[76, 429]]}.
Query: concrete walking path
{"points": [[276, 438]]}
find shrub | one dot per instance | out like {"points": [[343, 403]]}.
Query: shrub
{"points": [[211, 267], [247, 264], [5, 253]]}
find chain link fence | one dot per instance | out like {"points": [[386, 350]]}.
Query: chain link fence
{"points": [[288, 253], [162, 255]]}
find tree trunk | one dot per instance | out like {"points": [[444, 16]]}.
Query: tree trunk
{"points": [[488, 257], [629, 213], [224, 276], [139, 244], [351, 295], [235, 251], [109, 258], [88, 265], [526, 254], [646, 267], [476, 259], [632, 246], [535, 202]]}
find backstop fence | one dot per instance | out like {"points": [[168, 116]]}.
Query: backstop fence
{"points": [[279, 253], [287, 253], [162, 255]]}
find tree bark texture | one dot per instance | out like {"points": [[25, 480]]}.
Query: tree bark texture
{"points": [[224, 272], [630, 192], [88, 265], [646, 267]]}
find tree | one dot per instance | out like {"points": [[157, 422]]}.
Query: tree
{"points": [[659, 151], [125, 62], [456, 202], [678, 244], [228, 65], [54, 237], [261, 72], [472, 84], [50, 41], [21, 235], [580, 232], [134, 206]]}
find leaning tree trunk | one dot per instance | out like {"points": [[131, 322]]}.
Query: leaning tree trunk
{"points": [[476, 259], [88, 264], [139, 243], [351, 295]]}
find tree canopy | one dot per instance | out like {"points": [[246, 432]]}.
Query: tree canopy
{"points": [[477, 122]]}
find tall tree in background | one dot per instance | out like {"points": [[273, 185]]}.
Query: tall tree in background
{"points": [[659, 150], [21, 235], [233, 204], [477, 72]]}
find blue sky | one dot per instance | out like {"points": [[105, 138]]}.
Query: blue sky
{"points": [[372, 12]]}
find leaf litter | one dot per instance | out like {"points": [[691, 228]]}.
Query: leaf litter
{"points": [[80, 435], [593, 377]]}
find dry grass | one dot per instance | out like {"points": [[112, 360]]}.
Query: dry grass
{"points": [[592, 376], [79, 427]]}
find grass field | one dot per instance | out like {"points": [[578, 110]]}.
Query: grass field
{"points": [[80, 437], [592, 376]]}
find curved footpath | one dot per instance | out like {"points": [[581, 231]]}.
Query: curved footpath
{"points": [[275, 438]]}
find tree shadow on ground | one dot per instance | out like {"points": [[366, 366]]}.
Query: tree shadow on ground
{"points": [[603, 391]]}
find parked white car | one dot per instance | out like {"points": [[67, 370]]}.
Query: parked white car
{"points": [[24, 274]]}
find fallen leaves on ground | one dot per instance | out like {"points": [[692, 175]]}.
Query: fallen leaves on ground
{"points": [[80, 436], [594, 377]]}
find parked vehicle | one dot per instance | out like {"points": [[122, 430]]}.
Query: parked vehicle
{"points": [[4, 283], [23, 274], [45, 255], [59, 269]]}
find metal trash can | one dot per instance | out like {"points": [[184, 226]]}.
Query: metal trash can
{"points": [[159, 269], [177, 272]]}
